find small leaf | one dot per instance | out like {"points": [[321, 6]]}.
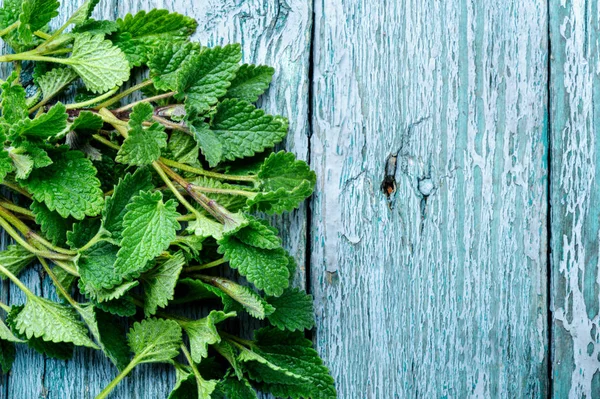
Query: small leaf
{"points": [[100, 65], [53, 225], [35, 15], [6, 164], [150, 226], [203, 332], [55, 81], [154, 341], [251, 302], [68, 186], [158, 284], [207, 140], [46, 125], [250, 82], [15, 258], [143, 145], [231, 387], [206, 77], [260, 234], [14, 105], [244, 130], [265, 268], [166, 61], [293, 310]]}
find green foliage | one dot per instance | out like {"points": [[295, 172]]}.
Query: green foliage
{"points": [[143, 207]]}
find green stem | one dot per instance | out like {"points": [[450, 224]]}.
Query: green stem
{"points": [[92, 101], [42, 35], [186, 218], [46, 254], [58, 285], [65, 267], [5, 307], [109, 117], [9, 28], [32, 57], [188, 357], [93, 240], [106, 142], [26, 231], [15, 208], [212, 190], [202, 172], [145, 100], [123, 94], [208, 265], [236, 340], [172, 187], [117, 379], [15, 280]]}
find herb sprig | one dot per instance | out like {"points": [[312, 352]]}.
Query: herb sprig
{"points": [[138, 210]]}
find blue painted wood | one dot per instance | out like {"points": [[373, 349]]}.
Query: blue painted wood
{"points": [[575, 198], [437, 287]]}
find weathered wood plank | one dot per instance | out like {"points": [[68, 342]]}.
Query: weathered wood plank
{"points": [[271, 32], [440, 291], [575, 197]]}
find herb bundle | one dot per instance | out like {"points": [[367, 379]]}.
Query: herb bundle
{"points": [[138, 210]]}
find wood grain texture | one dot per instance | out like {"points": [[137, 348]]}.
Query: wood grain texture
{"points": [[575, 197], [439, 291]]}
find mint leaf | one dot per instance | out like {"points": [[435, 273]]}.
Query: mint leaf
{"points": [[14, 105], [53, 225], [207, 140], [15, 258], [165, 61], [51, 321], [244, 130], [35, 15], [265, 268], [115, 205], [96, 267], [139, 35], [260, 234], [183, 147], [54, 81], [7, 347], [250, 82], [6, 164], [293, 310], [251, 302], [154, 341], [82, 232], [122, 307], [100, 65], [84, 12], [87, 121], [231, 387], [143, 145], [287, 365], [190, 386], [43, 126], [150, 226], [206, 77], [282, 170], [159, 283], [203, 332], [68, 186], [190, 290]]}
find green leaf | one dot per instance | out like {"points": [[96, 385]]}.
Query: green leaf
{"points": [[83, 13], [154, 341], [150, 226], [250, 82], [282, 170], [6, 164], [122, 307], [165, 62], [15, 258], [36, 152], [68, 186], [51, 321], [46, 125], [293, 310], [66, 280], [281, 200], [107, 334], [260, 234], [55, 81], [23, 164], [207, 140], [203, 332], [251, 302], [87, 121], [100, 65], [99, 279], [244, 130], [287, 365], [96, 27], [143, 145], [115, 205], [189, 386], [36, 15], [265, 268], [158, 284], [62, 350], [139, 35], [232, 203], [7, 347], [53, 225], [82, 232], [14, 105], [189, 290], [230, 353], [206, 77], [231, 387]]}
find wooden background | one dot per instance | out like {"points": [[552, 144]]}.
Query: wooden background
{"points": [[452, 244]]}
